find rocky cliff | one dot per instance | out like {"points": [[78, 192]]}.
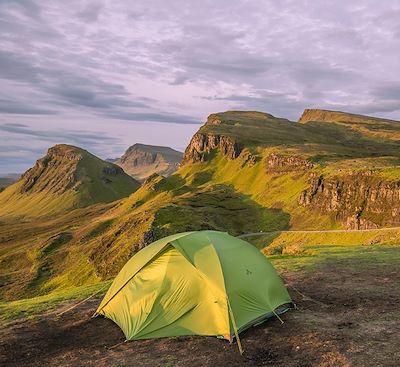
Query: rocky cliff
{"points": [[202, 144], [141, 161], [287, 163], [359, 200], [55, 172]]}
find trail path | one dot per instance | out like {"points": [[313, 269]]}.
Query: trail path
{"points": [[320, 231]]}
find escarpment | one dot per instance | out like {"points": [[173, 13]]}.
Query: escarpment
{"points": [[203, 143], [358, 200]]}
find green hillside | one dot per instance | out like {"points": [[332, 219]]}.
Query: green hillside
{"points": [[324, 174], [65, 178], [242, 172]]}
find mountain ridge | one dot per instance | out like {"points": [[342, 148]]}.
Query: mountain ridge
{"points": [[331, 163], [319, 114]]}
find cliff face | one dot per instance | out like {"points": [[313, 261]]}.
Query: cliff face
{"points": [[287, 163], [141, 161], [203, 143], [359, 200], [55, 172]]}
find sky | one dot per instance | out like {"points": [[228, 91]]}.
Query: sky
{"points": [[104, 75]]}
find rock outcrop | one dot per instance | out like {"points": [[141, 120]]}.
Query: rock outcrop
{"points": [[141, 161], [360, 200], [287, 163], [202, 144], [55, 172]]}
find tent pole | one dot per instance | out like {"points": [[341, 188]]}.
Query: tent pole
{"points": [[234, 327]]}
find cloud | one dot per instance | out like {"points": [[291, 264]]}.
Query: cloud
{"points": [[68, 136], [91, 12], [157, 117], [12, 107], [155, 62], [14, 68], [388, 91]]}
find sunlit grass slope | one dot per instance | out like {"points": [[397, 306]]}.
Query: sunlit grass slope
{"points": [[66, 178], [335, 147], [46, 257]]}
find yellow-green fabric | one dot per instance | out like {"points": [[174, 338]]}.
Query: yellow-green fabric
{"points": [[180, 285]]}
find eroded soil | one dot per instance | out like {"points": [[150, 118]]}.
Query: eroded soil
{"points": [[346, 317]]}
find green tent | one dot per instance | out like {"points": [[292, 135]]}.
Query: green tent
{"points": [[194, 283]]}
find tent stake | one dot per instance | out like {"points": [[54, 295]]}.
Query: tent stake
{"points": [[277, 316]]}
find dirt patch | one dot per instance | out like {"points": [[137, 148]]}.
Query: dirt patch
{"points": [[346, 317]]}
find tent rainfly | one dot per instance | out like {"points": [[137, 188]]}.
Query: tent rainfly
{"points": [[194, 283]]}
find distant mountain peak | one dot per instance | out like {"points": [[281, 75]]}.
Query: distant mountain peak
{"points": [[142, 160]]}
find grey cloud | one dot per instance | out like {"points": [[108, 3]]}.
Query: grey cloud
{"points": [[12, 107], [91, 12], [389, 91], [15, 68], [17, 156], [53, 136], [277, 103], [88, 97], [28, 7], [147, 61], [155, 117], [15, 125]]}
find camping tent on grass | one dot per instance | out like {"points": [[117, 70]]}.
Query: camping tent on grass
{"points": [[194, 283]]}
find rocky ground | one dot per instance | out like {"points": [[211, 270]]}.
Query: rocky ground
{"points": [[346, 317]]}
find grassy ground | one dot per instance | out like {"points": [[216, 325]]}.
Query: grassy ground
{"points": [[316, 257], [81, 247], [289, 252], [347, 315], [31, 307]]}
